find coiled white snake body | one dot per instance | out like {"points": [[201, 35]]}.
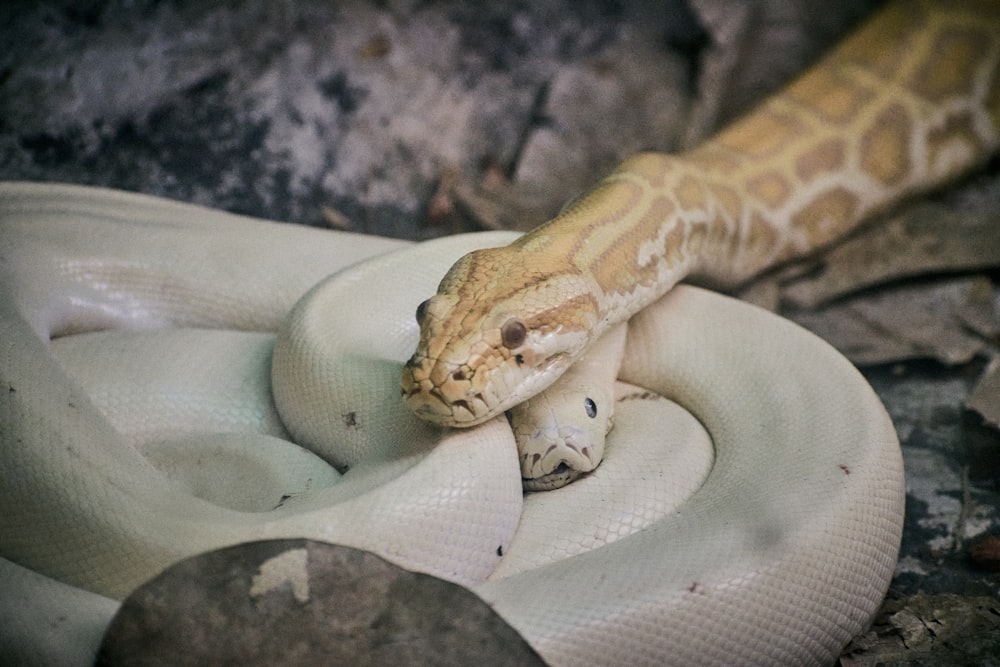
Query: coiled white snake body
{"points": [[778, 550]]}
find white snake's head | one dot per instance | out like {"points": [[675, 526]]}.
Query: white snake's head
{"points": [[496, 333], [560, 433]]}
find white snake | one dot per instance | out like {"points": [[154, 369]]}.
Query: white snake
{"points": [[777, 550]]}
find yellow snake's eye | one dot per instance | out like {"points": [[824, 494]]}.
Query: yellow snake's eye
{"points": [[422, 310], [512, 333]]}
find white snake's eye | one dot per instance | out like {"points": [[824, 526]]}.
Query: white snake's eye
{"points": [[590, 407], [422, 310], [512, 333]]}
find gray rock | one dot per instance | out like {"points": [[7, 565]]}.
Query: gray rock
{"points": [[298, 602]]}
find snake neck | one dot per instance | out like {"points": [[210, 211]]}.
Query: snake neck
{"points": [[907, 103], [634, 236]]}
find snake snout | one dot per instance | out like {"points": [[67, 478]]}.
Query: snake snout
{"points": [[561, 460]]}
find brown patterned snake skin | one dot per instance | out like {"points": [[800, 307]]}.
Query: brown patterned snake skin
{"points": [[908, 102]]}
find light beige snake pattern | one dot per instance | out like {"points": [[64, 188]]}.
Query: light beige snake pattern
{"points": [[908, 102]]}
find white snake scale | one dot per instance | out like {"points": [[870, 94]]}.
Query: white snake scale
{"points": [[771, 544], [807, 548]]}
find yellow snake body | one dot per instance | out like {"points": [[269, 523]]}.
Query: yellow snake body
{"points": [[906, 103]]}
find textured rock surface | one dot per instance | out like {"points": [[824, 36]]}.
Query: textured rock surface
{"points": [[296, 602]]}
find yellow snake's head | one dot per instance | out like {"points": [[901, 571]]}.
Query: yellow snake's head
{"points": [[496, 333]]}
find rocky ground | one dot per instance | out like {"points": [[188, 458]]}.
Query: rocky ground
{"points": [[418, 119]]}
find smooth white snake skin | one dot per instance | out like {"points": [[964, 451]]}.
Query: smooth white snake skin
{"points": [[780, 556]]}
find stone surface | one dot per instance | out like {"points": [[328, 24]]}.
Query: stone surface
{"points": [[297, 602]]}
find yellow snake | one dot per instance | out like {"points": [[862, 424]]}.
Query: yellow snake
{"points": [[906, 103], [773, 544]]}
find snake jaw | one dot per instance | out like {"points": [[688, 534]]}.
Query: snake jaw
{"points": [[449, 394], [556, 479]]}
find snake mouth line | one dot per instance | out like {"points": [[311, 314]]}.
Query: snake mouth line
{"points": [[433, 407], [560, 477]]}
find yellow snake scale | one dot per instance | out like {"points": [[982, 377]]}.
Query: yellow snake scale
{"points": [[779, 535], [908, 102]]}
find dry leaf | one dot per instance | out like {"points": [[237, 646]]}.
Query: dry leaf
{"points": [[925, 238], [907, 322], [929, 630], [985, 398]]}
